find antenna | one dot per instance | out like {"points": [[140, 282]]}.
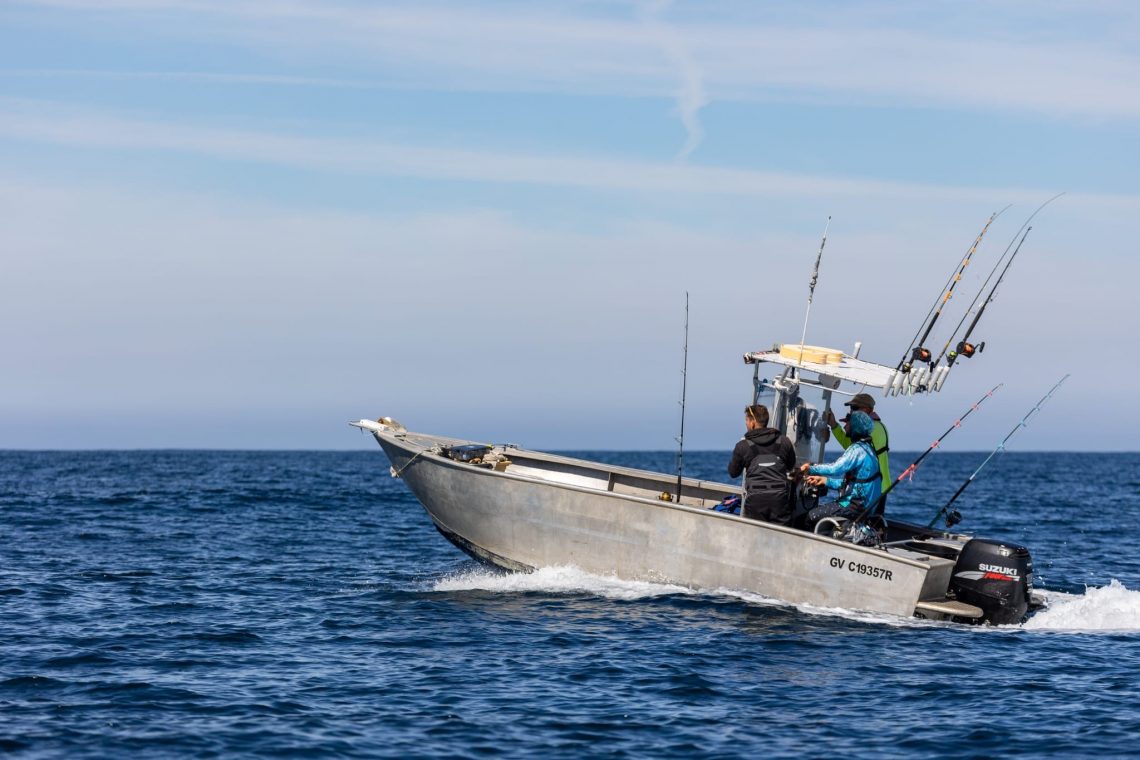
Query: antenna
{"points": [[684, 385], [811, 286]]}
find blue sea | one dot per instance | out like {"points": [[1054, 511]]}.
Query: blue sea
{"points": [[228, 604]]}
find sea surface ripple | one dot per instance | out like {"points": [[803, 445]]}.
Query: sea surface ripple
{"points": [[198, 603]]}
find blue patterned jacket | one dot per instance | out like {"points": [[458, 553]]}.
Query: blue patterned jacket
{"points": [[859, 460]]}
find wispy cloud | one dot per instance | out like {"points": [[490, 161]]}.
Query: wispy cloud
{"points": [[887, 54], [196, 76], [690, 92], [80, 128]]}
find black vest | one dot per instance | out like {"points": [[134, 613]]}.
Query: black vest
{"points": [[765, 473]]}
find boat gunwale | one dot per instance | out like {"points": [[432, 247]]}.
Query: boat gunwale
{"points": [[561, 459]]}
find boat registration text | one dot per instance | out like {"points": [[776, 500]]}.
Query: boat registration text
{"points": [[860, 568]]}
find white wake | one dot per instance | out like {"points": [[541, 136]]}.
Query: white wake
{"points": [[557, 580], [572, 580], [1107, 608]]}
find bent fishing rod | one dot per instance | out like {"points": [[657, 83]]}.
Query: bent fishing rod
{"points": [[953, 518], [684, 384], [970, 350], [909, 471], [917, 349]]}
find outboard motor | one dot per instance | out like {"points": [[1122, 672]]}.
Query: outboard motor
{"points": [[996, 576]]}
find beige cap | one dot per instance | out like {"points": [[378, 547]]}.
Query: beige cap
{"points": [[861, 399]]}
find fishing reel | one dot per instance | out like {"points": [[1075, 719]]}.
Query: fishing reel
{"points": [[953, 517], [918, 354], [965, 349]]}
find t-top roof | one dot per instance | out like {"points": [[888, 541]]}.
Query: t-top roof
{"points": [[857, 371]]}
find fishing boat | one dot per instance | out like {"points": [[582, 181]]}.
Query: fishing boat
{"points": [[521, 510]]}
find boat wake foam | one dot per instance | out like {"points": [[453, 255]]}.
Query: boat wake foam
{"points": [[1109, 608], [557, 580], [572, 580], [1106, 608]]}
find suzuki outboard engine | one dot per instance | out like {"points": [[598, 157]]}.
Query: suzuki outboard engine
{"points": [[997, 577]]}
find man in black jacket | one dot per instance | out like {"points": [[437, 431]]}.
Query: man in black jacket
{"points": [[766, 457]]}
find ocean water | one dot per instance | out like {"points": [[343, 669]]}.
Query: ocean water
{"points": [[227, 604]]}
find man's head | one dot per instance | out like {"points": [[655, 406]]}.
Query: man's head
{"points": [[756, 416], [863, 402]]}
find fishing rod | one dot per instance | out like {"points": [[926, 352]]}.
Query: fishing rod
{"points": [[965, 347], [918, 351], [971, 350], [684, 384], [954, 517], [811, 286], [909, 471]]}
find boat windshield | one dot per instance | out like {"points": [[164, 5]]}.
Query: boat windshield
{"points": [[798, 411]]}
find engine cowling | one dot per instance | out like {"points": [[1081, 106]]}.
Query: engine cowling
{"points": [[996, 576]]}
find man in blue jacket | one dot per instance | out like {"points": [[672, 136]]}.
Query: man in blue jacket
{"points": [[865, 402], [855, 475]]}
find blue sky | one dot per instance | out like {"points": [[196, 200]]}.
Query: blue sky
{"points": [[240, 224]]}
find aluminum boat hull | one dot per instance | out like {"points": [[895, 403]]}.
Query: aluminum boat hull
{"points": [[543, 510]]}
